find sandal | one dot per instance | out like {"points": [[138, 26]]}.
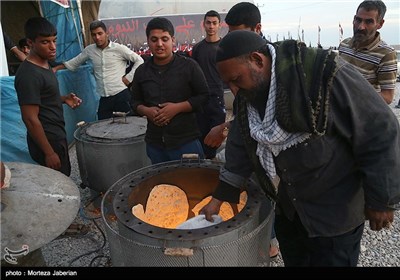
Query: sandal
{"points": [[273, 249]]}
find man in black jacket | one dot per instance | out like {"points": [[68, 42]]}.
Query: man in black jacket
{"points": [[168, 89], [310, 118]]}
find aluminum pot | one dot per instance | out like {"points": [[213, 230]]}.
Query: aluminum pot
{"points": [[109, 149]]}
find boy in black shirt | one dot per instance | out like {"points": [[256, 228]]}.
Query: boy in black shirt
{"points": [[40, 100]]}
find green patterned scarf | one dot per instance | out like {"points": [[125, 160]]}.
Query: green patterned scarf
{"points": [[304, 78]]}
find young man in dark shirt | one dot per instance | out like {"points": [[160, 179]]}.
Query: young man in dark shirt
{"points": [[39, 98], [204, 53], [168, 89]]}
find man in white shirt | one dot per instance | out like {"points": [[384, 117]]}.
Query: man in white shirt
{"points": [[109, 63]]}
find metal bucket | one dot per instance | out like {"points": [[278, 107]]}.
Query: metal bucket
{"points": [[109, 149], [242, 240]]}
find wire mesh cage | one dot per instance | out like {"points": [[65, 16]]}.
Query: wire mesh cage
{"points": [[243, 240]]}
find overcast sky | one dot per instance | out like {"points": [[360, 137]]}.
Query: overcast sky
{"points": [[283, 16]]}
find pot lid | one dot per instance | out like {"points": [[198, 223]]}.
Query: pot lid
{"points": [[117, 128], [37, 207]]}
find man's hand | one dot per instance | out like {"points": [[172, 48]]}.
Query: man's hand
{"points": [[167, 111], [379, 219], [212, 208], [216, 136], [58, 67], [72, 100], [125, 81], [53, 161]]}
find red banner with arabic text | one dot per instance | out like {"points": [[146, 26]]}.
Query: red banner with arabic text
{"points": [[131, 32]]}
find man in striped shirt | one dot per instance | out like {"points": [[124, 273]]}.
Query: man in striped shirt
{"points": [[375, 59]]}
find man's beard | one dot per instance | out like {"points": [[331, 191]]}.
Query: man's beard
{"points": [[360, 39], [259, 92]]}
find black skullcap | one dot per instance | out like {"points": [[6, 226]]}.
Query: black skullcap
{"points": [[237, 43]]}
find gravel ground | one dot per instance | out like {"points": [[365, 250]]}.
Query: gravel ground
{"points": [[378, 249]]}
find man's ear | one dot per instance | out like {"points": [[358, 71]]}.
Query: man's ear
{"points": [[381, 24], [258, 28], [29, 42], [256, 57]]}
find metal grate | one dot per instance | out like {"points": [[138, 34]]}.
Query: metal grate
{"points": [[240, 241]]}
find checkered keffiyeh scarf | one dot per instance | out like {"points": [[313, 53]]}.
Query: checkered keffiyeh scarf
{"points": [[271, 138]]}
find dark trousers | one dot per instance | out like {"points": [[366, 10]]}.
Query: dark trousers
{"points": [[60, 147], [298, 249], [116, 103]]}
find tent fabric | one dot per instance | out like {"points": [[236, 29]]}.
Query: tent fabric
{"points": [[13, 23], [82, 83], [90, 12], [13, 131], [14, 15], [69, 28], [3, 57]]}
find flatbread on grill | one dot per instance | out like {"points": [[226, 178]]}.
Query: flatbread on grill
{"points": [[167, 207], [226, 211]]}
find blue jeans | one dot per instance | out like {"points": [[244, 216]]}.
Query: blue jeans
{"points": [[159, 154]]}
